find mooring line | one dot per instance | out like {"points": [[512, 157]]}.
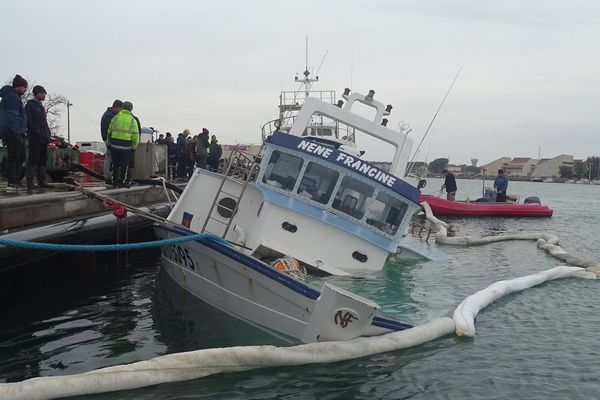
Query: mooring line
{"points": [[110, 247]]}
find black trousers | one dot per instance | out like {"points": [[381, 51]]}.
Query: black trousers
{"points": [[120, 162], [183, 166], [213, 163], [15, 157], [201, 161], [38, 155], [500, 197]]}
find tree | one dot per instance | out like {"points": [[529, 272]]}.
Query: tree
{"points": [[471, 170], [593, 167], [418, 168], [437, 165], [565, 171], [579, 169]]}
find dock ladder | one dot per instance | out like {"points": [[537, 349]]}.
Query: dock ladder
{"points": [[242, 166]]}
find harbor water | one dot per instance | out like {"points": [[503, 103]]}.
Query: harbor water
{"points": [[79, 312]]}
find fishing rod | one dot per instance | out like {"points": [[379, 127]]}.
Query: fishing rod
{"points": [[433, 119]]}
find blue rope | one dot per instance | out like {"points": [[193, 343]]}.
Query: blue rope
{"points": [[109, 247]]}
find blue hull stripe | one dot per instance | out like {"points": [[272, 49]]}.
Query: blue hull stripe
{"points": [[389, 323]]}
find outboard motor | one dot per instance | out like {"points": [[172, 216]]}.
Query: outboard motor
{"points": [[532, 200]]}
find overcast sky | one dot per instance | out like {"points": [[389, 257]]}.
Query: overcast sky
{"points": [[530, 77]]}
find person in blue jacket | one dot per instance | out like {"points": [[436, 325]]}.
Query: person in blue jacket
{"points": [[13, 128], [501, 184]]}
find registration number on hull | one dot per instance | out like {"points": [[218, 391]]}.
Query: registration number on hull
{"points": [[180, 255]]}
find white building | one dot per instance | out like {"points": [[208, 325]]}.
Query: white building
{"points": [[550, 167], [490, 169]]}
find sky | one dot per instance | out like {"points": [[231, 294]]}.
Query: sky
{"points": [[529, 84]]}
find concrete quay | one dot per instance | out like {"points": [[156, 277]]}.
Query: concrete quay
{"points": [[26, 209], [71, 217]]}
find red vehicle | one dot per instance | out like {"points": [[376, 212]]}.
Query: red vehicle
{"points": [[441, 206]]}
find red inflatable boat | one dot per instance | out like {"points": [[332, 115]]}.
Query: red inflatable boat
{"points": [[441, 206]]}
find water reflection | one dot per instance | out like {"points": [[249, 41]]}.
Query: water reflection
{"points": [[184, 323]]}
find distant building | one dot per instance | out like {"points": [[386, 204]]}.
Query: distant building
{"points": [[520, 166], [453, 168], [525, 167], [490, 169], [550, 167]]}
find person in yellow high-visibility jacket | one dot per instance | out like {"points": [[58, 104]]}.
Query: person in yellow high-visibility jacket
{"points": [[122, 137]]}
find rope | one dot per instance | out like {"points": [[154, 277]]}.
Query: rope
{"points": [[109, 247]]}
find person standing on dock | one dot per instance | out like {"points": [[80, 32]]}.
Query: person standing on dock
{"points": [[182, 153], [122, 137], [172, 156], [191, 153], [202, 145], [38, 137], [501, 184], [12, 129], [131, 164], [214, 153], [449, 185], [104, 123], [161, 139]]}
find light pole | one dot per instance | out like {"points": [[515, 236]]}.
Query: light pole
{"points": [[69, 104]]}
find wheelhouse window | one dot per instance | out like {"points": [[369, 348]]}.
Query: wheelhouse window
{"points": [[318, 131], [352, 196], [283, 170], [318, 183], [386, 213]]}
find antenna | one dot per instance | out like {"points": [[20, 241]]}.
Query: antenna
{"points": [[352, 68], [316, 79], [306, 69]]}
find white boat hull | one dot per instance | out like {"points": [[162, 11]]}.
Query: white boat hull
{"points": [[254, 292]]}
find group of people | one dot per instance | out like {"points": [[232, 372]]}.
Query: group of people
{"points": [[120, 130], [25, 132], [21, 125], [500, 185], [189, 151]]}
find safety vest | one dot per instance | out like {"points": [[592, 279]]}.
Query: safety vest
{"points": [[123, 131]]}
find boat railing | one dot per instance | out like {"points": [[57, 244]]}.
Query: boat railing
{"points": [[292, 100], [242, 165], [274, 125]]}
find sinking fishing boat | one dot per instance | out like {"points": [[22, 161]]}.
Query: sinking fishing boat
{"points": [[441, 206], [308, 201]]}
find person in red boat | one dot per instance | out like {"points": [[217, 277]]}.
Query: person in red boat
{"points": [[449, 185]]}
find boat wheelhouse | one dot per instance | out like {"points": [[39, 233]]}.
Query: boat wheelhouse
{"points": [[341, 192]]}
